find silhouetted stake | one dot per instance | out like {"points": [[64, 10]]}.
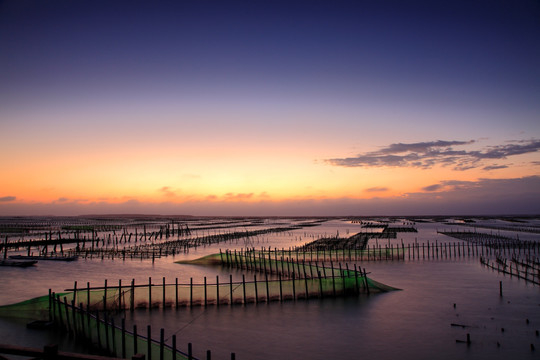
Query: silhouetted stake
{"points": [[74, 318], [217, 290], [280, 289], [106, 325], [135, 338], [190, 351], [230, 289], [105, 296], [191, 292], [342, 278], [120, 302], [75, 291], [320, 285], [163, 302], [333, 278], [365, 281], [208, 355], [149, 341], [256, 291], [68, 326], [113, 337], [244, 287], [83, 329], [205, 295], [161, 343], [500, 289], [123, 338], [149, 292], [176, 292], [98, 322], [132, 300], [293, 287], [174, 347], [50, 306], [267, 290]]}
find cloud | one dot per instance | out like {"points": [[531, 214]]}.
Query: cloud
{"points": [[452, 197], [167, 192], [428, 154], [376, 189], [494, 167], [433, 187], [7, 198], [236, 197]]}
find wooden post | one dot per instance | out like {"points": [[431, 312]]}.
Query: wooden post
{"points": [[176, 292], [320, 285], [190, 351], [163, 292], [113, 337], [342, 278], [74, 318], [205, 297], [365, 281], [280, 289], [68, 325], [333, 278], [191, 292], [120, 295], [174, 347], [217, 290], [256, 291], [123, 338], [230, 289], [81, 315], [149, 291], [50, 306], [75, 292], [135, 338], [161, 343], [148, 342], [106, 325], [293, 287], [97, 329], [244, 287], [132, 300], [356, 279], [105, 296], [267, 289]]}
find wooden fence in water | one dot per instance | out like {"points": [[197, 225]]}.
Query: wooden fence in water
{"points": [[100, 333]]}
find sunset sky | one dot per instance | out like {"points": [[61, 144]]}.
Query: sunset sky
{"points": [[269, 107]]}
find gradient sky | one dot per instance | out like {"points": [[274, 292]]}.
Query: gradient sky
{"points": [[269, 107]]}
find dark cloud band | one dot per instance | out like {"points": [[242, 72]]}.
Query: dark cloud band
{"points": [[428, 154]]}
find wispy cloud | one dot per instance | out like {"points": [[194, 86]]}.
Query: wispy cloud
{"points": [[433, 187], [8, 198], [428, 154], [238, 196], [167, 192], [376, 189], [494, 167]]}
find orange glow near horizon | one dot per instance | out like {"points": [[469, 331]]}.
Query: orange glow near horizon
{"points": [[225, 175]]}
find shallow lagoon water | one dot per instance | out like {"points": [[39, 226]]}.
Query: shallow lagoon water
{"points": [[413, 323]]}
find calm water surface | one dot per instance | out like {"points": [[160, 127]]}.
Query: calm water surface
{"points": [[413, 323]]}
